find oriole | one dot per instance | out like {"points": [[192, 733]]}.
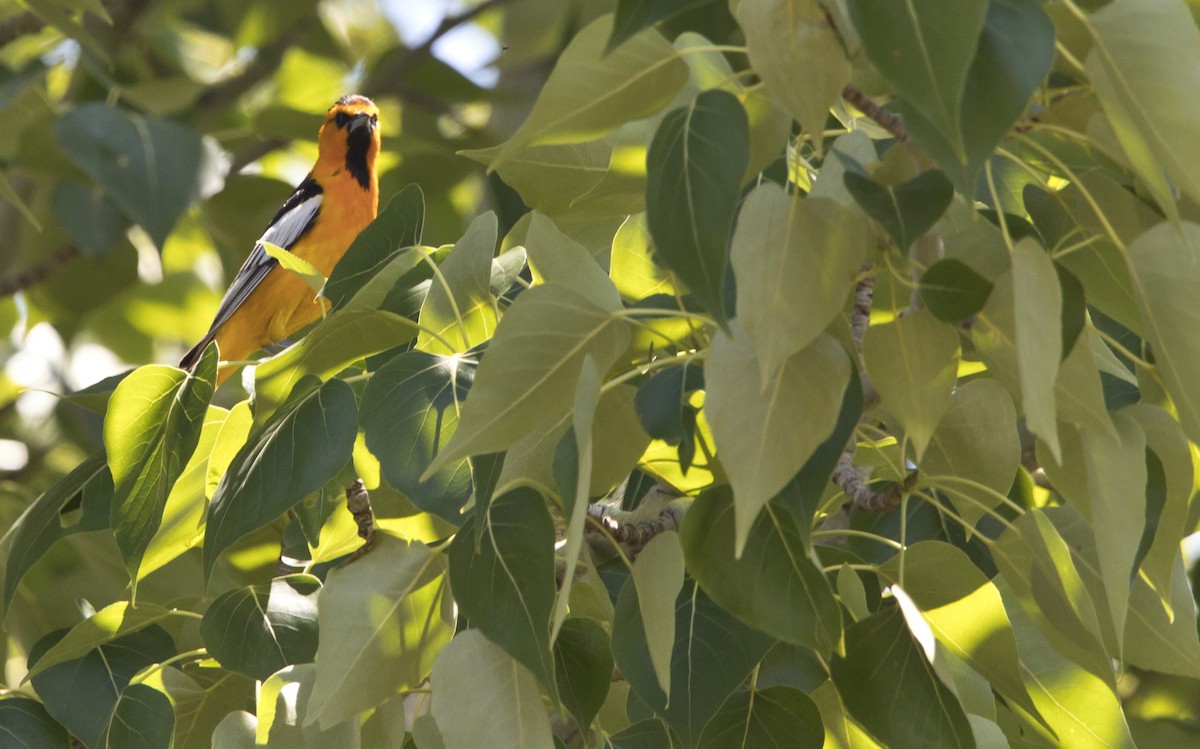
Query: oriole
{"points": [[339, 197]]}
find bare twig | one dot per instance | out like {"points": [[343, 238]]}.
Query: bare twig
{"points": [[634, 534], [359, 505], [859, 495], [35, 274], [875, 113], [864, 297]]}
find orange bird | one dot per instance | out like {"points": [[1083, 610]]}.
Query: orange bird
{"points": [[339, 197]]}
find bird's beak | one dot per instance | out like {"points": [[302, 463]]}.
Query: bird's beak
{"points": [[359, 121]]}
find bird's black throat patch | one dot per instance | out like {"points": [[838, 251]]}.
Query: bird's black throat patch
{"points": [[358, 142]]}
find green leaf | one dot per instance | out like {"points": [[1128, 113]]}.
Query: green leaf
{"points": [[713, 654], [1036, 563], [235, 731], [531, 367], [459, 309], [975, 451], [383, 620], [646, 734], [27, 725], [632, 267], [694, 174], [334, 344], [398, 226], [913, 363], [182, 526], [1103, 476], [784, 36], [663, 409], [109, 623], [473, 671], [1082, 709], [776, 716], [151, 429], [93, 222], [802, 495], [884, 665], [965, 612], [574, 491], [905, 211], [796, 261], [409, 412], [583, 668], [924, 50], [1019, 334], [294, 264], [1164, 264], [1014, 55], [1142, 51], [82, 694], [505, 587], [1166, 441], [774, 586], [259, 629], [42, 524], [658, 578], [953, 291], [554, 179], [558, 259], [284, 718], [291, 456], [203, 701], [153, 169], [143, 719], [634, 15], [1157, 637], [589, 93], [765, 435], [852, 148]]}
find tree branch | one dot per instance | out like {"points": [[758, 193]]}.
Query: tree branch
{"points": [[359, 504], [35, 274], [875, 113]]}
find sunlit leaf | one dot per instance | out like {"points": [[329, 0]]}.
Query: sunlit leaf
{"points": [[290, 457], [398, 225], [459, 311], [531, 367], [796, 261], [151, 428], [589, 93], [472, 670], [783, 36], [765, 435], [383, 621], [913, 363]]}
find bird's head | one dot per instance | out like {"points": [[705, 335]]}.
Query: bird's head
{"points": [[349, 140]]}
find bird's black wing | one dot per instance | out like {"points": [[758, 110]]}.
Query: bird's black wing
{"points": [[291, 222]]}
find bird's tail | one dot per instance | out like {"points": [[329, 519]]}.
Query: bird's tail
{"points": [[193, 355]]}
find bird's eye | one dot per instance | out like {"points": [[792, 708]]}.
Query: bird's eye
{"points": [[340, 119], [374, 119]]}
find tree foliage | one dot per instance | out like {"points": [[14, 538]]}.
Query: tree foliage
{"points": [[728, 374]]}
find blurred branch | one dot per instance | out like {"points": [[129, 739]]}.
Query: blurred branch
{"points": [[875, 113], [218, 98], [403, 67], [15, 27], [35, 274]]}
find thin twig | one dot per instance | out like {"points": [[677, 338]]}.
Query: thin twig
{"points": [[35, 274], [875, 113]]}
